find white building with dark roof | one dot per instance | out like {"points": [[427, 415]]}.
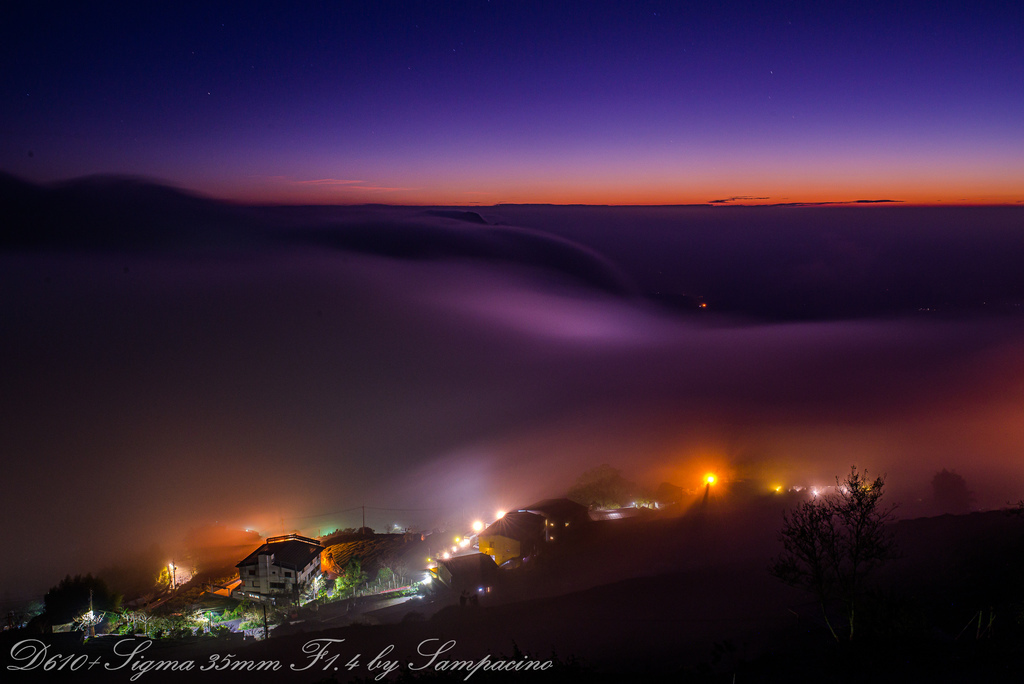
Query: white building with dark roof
{"points": [[280, 568]]}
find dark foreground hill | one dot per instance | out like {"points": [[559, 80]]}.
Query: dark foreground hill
{"points": [[688, 598]]}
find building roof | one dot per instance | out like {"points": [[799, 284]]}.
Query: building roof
{"points": [[470, 564], [290, 551], [519, 525], [469, 569], [564, 509], [619, 513]]}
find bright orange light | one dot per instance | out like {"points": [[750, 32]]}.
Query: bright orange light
{"points": [[710, 479], [477, 526], [501, 514]]}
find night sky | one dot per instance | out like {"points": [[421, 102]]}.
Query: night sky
{"points": [[183, 346]]}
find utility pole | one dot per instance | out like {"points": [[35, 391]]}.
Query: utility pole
{"points": [[92, 625], [266, 632], [364, 515]]}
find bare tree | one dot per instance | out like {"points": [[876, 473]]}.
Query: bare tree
{"points": [[137, 620], [832, 542]]}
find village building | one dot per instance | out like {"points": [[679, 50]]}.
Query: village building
{"points": [[279, 569], [512, 537], [473, 573], [561, 517]]}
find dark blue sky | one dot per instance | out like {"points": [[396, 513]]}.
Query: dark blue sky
{"points": [[487, 102]]}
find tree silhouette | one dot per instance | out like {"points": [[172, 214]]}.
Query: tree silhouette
{"points": [[832, 542], [604, 487], [70, 598], [950, 493]]}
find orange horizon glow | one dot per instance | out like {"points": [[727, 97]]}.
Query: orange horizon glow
{"points": [[628, 184], [352, 195], [626, 181]]}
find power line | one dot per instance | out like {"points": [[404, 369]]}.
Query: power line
{"points": [[372, 508], [323, 515]]}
